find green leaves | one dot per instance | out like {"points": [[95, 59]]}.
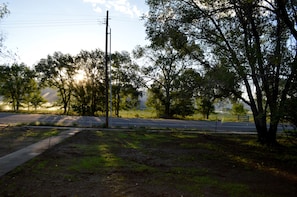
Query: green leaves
{"points": [[126, 75], [58, 71], [16, 83], [250, 44]]}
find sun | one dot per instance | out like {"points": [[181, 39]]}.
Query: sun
{"points": [[80, 76]]}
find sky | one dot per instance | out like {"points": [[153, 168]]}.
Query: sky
{"points": [[37, 28]]}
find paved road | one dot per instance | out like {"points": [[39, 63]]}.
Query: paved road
{"points": [[89, 121]]}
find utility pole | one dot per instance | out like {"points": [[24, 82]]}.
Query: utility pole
{"points": [[106, 73], [110, 77]]}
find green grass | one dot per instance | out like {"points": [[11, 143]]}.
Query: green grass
{"points": [[187, 163], [27, 133], [221, 117], [37, 134], [138, 114]]}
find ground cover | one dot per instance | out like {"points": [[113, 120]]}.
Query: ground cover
{"points": [[142, 163], [14, 138]]}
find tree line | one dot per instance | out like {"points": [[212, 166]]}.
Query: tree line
{"points": [[80, 84]]}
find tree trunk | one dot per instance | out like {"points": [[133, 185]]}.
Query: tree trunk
{"points": [[118, 105], [261, 127], [271, 135], [167, 101], [266, 136], [65, 108], [18, 106], [274, 120]]}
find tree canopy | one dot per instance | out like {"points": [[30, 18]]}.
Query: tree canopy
{"points": [[16, 84], [89, 92], [254, 40], [3, 12], [58, 71], [127, 82]]}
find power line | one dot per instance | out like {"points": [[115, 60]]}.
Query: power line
{"points": [[32, 23], [50, 23]]}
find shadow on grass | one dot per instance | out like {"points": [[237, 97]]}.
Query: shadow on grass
{"points": [[140, 163]]}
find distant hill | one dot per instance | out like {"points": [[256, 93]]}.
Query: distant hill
{"points": [[50, 95]]}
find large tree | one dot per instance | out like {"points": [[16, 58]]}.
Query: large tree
{"points": [[185, 90], [15, 84], [89, 92], [126, 82], [58, 71], [164, 66], [217, 83], [253, 39]]}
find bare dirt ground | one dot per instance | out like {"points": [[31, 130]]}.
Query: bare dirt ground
{"points": [[141, 163]]}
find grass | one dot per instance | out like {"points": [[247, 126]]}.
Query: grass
{"points": [[23, 132], [138, 114], [224, 117], [141, 163], [34, 133], [13, 138], [147, 113]]}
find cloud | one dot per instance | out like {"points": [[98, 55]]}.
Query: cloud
{"points": [[123, 6]]}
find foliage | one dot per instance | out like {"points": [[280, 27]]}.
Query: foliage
{"points": [[3, 12], [169, 92], [290, 113], [89, 93], [238, 109], [58, 71], [127, 82], [185, 88], [34, 97], [15, 84], [253, 41], [205, 107]]}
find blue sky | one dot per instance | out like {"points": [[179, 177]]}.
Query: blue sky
{"points": [[36, 28]]}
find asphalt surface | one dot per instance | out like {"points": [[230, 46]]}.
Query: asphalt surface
{"points": [[90, 121]]}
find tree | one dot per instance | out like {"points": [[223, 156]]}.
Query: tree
{"points": [[205, 106], [15, 83], [3, 12], [186, 88], [33, 97], [82, 98], [218, 83], [238, 109], [89, 93], [255, 40], [127, 82], [58, 71], [290, 114], [163, 66]]}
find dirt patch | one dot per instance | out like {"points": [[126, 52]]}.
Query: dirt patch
{"points": [[15, 138], [139, 163]]}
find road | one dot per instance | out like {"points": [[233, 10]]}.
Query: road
{"points": [[90, 121]]}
